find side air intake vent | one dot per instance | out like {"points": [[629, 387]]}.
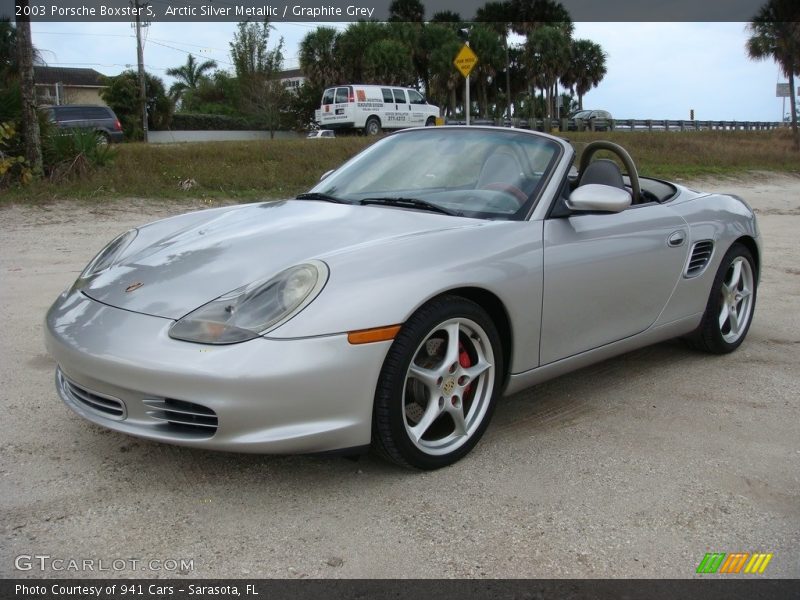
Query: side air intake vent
{"points": [[699, 257]]}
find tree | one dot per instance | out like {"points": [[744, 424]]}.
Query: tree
{"points": [[389, 62], [529, 15], [189, 77], [547, 54], [257, 68], [249, 50], [445, 80], [446, 16], [218, 94], [587, 67], [499, 16], [30, 118], [318, 58], [410, 11], [487, 45], [122, 95], [775, 34], [351, 47]]}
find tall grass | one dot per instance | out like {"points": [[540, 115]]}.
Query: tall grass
{"points": [[683, 155], [283, 168]]}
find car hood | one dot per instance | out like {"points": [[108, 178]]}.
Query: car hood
{"points": [[176, 265]]}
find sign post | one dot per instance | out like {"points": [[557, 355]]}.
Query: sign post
{"points": [[465, 61]]}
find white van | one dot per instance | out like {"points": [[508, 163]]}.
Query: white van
{"points": [[374, 107]]}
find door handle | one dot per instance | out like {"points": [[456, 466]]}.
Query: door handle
{"points": [[676, 239]]}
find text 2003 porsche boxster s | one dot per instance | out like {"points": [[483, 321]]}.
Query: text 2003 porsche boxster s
{"points": [[397, 300]]}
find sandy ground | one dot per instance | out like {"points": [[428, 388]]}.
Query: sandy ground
{"points": [[631, 468]]}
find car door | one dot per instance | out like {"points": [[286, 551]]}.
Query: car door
{"points": [[402, 108], [607, 276], [417, 104]]}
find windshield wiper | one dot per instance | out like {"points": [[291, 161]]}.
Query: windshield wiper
{"points": [[320, 196], [411, 203]]}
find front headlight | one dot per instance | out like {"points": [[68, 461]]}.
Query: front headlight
{"points": [[109, 255], [252, 310]]}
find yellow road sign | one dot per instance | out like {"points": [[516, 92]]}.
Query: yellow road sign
{"points": [[465, 60]]}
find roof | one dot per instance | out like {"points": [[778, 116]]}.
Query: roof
{"points": [[67, 76], [291, 73]]}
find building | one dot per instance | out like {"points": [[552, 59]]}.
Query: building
{"points": [[292, 79], [59, 85]]}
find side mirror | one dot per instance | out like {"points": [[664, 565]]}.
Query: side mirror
{"points": [[325, 174], [595, 197]]}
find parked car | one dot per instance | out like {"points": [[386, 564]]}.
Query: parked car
{"points": [[100, 119], [598, 120], [395, 302], [320, 134], [372, 108]]}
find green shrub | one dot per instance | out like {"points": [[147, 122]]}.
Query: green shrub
{"points": [[75, 155], [13, 167]]}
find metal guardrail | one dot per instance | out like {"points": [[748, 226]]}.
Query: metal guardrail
{"points": [[627, 125]]}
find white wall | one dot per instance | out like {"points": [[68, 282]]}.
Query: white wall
{"points": [[171, 137]]}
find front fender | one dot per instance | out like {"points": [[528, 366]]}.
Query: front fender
{"points": [[385, 284]]}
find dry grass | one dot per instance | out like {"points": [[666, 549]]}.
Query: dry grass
{"points": [[283, 168], [682, 155]]}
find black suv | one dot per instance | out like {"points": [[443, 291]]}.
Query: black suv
{"points": [[100, 119]]}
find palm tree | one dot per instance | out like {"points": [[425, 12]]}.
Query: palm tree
{"points": [[318, 57], [587, 68], [529, 15], [775, 34], [487, 45], [189, 76], [410, 11], [547, 54], [499, 16], [444, 79]]}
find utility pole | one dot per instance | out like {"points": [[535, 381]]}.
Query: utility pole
{"points": [[140, 57]]}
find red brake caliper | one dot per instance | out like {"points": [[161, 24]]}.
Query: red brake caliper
{"points": [[465, 362]]}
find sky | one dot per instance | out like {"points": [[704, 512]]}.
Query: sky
{"points": [[655, 70]]}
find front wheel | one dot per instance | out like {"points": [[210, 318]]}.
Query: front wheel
{"points": [[730, 306], [438, 385], [430, 122]]}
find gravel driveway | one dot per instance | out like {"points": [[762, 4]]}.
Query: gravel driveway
{"points": [[635, 467]]}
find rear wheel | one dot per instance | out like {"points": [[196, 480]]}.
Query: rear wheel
{"points": [[730, 306], [438, 385], [372, 126], [103, 139]]}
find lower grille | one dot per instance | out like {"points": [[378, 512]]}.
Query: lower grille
{"points": [[107, 406], [182, 416]]}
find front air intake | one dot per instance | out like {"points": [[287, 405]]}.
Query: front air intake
{"points": [[182, 416]]}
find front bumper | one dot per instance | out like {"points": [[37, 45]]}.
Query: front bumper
{"points": [[268, 396]]}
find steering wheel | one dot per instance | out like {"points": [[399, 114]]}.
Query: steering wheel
{"points": [[622, 154], [512, 190]]}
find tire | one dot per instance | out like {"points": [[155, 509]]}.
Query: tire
{"points": [[438, 386], [103, 139], [730, 306], [430, 122], [372, 126]]}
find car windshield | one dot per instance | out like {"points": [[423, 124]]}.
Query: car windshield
{"points": [[472, 172], [581, 114]]}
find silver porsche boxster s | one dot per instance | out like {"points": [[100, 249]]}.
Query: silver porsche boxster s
{"points": [[397, 300]]}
